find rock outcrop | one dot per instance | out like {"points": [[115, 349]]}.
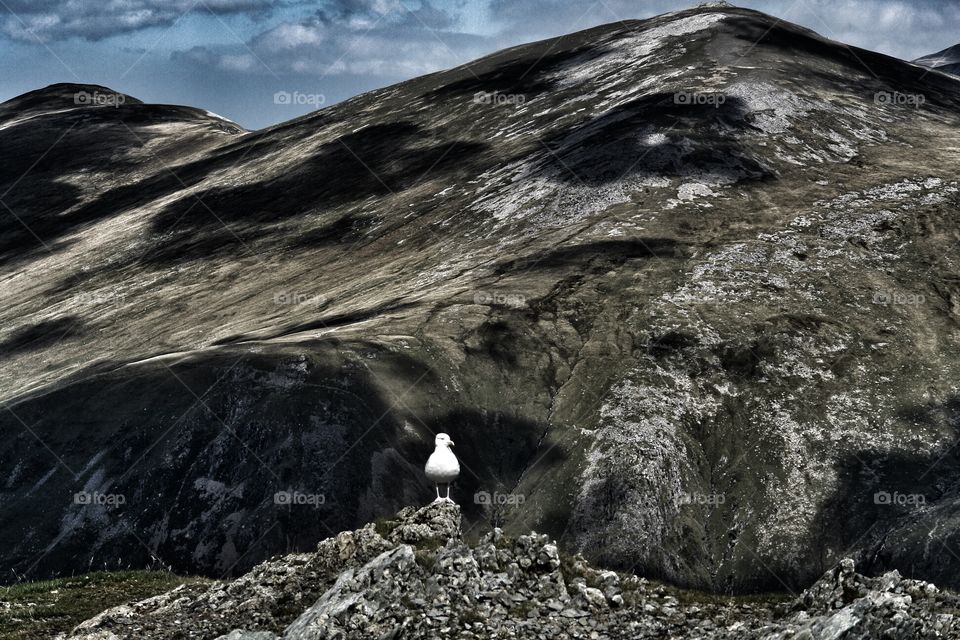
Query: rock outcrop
{"points": [[415, 577]]}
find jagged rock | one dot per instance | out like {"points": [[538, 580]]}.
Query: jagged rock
{"points": [[437, 521], [441, 586], [848, 605], [358, 594]]}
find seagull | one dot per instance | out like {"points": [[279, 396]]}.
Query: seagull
{"points": [[442, 467]]}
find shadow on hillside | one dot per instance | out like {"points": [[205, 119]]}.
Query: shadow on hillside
{"points": [[41, 335], [601, 255], [878, 492], [527, 77], [200, 478], [658, 135], [326, 322], [376, 161]]}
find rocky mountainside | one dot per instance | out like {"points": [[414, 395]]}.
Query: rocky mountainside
{"points": [[414, 577], [947, 60], [685, 292]]}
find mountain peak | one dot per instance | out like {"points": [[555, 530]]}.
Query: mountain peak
{"points": [[66, 100]]}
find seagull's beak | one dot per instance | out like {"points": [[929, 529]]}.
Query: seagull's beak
{"points": [[451, 443]]}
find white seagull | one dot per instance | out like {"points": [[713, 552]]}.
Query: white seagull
{"points": [[442, 466]]}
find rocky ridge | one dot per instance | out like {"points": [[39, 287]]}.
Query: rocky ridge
{"points": [[414, 577]]}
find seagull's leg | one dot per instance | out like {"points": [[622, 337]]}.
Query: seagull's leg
{"points": [[436, 486], [448, 493]]}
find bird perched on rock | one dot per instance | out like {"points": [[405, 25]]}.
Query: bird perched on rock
{"points": [[442, 467]]}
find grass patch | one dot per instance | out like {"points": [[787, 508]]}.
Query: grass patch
{"points": [[431, 544], [40, 610], [384, 526], [426, 559]]}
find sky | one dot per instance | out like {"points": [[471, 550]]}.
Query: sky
{"points": [[259, 62]]}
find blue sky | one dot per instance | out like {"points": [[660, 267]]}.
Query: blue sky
{"points": [[233, 56]]}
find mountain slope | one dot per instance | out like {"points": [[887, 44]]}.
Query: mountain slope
{"points": [[947, 60], [689, 286], [68, 143]]}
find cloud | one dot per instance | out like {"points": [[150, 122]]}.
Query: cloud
{"points": [[903, 28], [382, 38], [900, 27], [49, 20]]}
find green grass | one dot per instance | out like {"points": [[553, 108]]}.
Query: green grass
{"points": [[384, 526], [40, 610], [426, 558]]}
